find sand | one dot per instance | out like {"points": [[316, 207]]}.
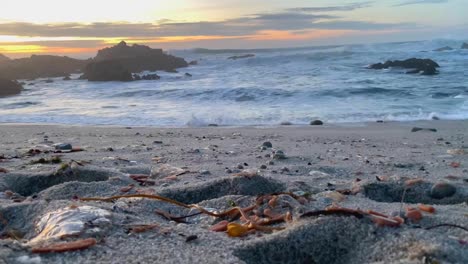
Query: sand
{"points": [[369, 163]]}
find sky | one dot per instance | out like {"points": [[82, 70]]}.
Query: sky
{"points": [[80, 28]]}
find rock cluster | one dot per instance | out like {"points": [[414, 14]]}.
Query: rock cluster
{"points": [[8, 87], [424, 66]]}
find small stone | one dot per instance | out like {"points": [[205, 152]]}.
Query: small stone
{"points": [[263, 167], [416, 129], [442, 190], [279, 154], [228, 171], [284, 169], [63, 146], [240, 167], [271, 162], [316, 123], [267, 144], [205, 172]]}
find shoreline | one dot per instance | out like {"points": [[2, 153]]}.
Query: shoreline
{"points": [[359, 168]]}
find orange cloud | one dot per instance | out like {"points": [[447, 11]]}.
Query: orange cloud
{"points": [[39, 49], [298, 35]]}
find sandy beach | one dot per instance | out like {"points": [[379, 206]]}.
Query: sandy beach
{"points": [[301, 181]]}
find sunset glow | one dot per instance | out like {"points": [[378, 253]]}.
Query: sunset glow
{"points": [[52, 26]]}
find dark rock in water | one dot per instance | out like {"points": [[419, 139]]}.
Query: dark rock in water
{"points": [[49, 81], [446, 48], [464, 45], [106, 71], [416, 129], [192, 63], [435, 118], [442, 190], [286, 123], [241, 56], [41, 66], [188, 74], [63, 146], [8, 87], [424, 66], [171, 71], [138, 58], [316, 123], [66, 78]]}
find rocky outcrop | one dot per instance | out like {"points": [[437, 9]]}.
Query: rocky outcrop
{"points": [[103, 71], [446, 48], [138, 58], [40, 66], [464, 46], [4, 58], [8, 87], [241, 57], [423, 66]]}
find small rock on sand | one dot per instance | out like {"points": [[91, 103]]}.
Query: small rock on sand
{"points": [[416, 129], [267, 144], [63, 146], [279, 154], [442, 190], [316, 123]]}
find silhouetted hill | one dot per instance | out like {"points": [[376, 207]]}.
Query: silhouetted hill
{"points": [[40, 66], [137, 58], [118, 62]]}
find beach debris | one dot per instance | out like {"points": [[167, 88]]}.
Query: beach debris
{"points": [[279, 155], [455, 164], [165, 171], [191, 238], [237, 230], [142, 179], [447, 225], [380, 219], [142, 228], [426, 208], [416, 129], [413, 214], [71, 221], [33, 152], [456, 152], [249, 173], [220, 227], [3, 170], [66, 246], [63, 146], [442, 190], [127, 188], [316, 123]]}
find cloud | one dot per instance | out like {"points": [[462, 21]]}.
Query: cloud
{"points": [[418, 2], [295, 19], [348, 7]]}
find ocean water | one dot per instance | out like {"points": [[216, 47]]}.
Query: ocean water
{"points": [[295, 85]]}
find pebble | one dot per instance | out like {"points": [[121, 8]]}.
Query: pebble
{"points": [[205, 172], [63, 146], [442, 190], [279, 154], [263, 167], [316, 123], [271, 162], [416, 129], [240, 166], [267, 144]]}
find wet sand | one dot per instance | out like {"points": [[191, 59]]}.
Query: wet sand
{"points": [[364, 167]]}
